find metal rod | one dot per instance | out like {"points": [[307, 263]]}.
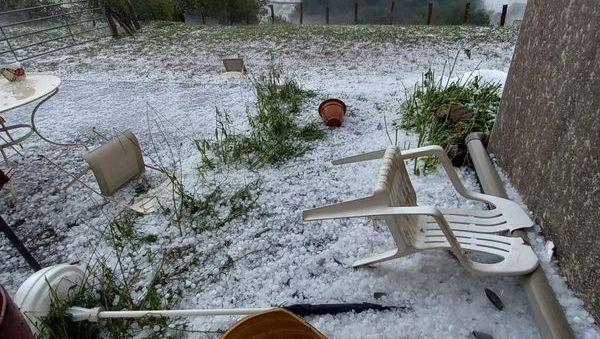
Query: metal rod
{"points": [[18, 244], [35, 129], [41, 42], [179, 313], [69, 29], [50, 29], [65, 47], [547, 312], [38, 7], [9, 45], [49, 17], [77, 313]]}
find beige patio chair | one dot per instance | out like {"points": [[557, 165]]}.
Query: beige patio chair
{"points": [[115, 164], [416, 228], [234, 66]]}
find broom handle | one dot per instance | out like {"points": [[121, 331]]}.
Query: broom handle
{"points": [[96, 314]]}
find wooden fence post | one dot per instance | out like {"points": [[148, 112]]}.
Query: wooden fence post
{"points": [[466, 16], [503, 16], [356, 13], [392, 13], [301, 12], [429, 12], [327, 15], [272, 14]]}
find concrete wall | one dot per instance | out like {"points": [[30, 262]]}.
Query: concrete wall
{"points": [[547, 136]]}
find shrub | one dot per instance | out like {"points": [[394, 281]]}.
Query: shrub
{"points": [[445, 114], [275, 135]]}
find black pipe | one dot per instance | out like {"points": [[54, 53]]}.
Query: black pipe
{"points": [[18, 244]]}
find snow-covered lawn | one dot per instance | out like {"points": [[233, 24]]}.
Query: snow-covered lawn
{"points": [[165, 84]]}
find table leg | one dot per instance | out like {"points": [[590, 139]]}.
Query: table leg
{"points": [[2, 121], [18, 244], [35, 129]]}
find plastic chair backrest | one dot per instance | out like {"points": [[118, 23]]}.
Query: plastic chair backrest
{"points": [[116, 163], [394, 184], [234, 65]]}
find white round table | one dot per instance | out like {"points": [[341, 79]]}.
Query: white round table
{"points": [[19, 93]]}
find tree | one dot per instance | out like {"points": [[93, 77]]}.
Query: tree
{"points": [[226, 11]]}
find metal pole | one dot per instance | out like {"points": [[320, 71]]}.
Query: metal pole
{"points": [[9, 44], [547, 312], [392, 13], [429, 12], [69, 28], [356, 13], [272, 14], [503, 16], [18, 244], [96, 314], [301, 12], [327, 15]]}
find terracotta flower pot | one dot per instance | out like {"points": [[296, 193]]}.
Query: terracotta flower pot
{"points": [[332, 112], [12, 321]]}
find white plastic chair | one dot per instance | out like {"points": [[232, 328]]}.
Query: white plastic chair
{"points": [[234, 66], [415, 228], [115, 164]]}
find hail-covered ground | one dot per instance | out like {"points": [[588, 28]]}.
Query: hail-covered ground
{"points": [[166, 84]]}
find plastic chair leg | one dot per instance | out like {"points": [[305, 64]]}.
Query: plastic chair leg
{"points": [[360, 157], [389, 255]]}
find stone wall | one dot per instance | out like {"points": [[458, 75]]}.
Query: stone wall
{"points": [[547, 135]]}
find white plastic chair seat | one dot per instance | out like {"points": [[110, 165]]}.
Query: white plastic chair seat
{"points": [[415, 228]]}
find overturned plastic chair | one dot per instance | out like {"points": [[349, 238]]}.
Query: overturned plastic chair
{"points": [[115, 164], [234, 66], [416, 228]]}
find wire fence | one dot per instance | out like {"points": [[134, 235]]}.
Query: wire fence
{"points": [[354, 13], [28, 33]]}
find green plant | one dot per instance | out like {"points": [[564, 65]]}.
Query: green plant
{"points": [[122, 231], [444, 114], [110, 288], [275, 135], [213, 208]]}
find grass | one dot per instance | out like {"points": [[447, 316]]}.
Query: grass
{"points": [[275, 134], [444, 113], [111, 288], [213, 209]]}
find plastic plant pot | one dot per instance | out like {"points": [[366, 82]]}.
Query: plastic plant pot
{"points": [[278, 323], [332, 111], [12, 321], [36, 294]]}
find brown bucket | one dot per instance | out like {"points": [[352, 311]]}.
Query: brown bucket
{"points": [[278, 323], [332, 112], [12, 322]]}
